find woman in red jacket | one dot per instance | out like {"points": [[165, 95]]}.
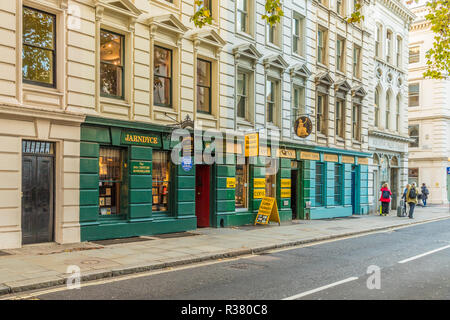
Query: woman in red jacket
{"points": [[385, 199]]}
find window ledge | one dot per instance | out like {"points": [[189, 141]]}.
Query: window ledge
{"points": [[273, 46], [341, 73], [340, 139], [41, 89], [246, 36], [207, 116], [116, 102], [298, 56], [169, 110], [244, 122], [322, 65]]}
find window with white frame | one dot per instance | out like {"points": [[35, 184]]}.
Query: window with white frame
{"points": [[389, 46], [39, 47], [340, 7], [388, 110], [340, 54], [243, 16], [414, 54], [413, 131], [273, 34], [242, 94], [340, 118], [271, 101], [356, 121], [376, 108], [112, 57], [378, 42], [413, 95], [399, 52], [322, 46], [297, 34], [397, 114], [298, 98], [357, 61], [321, 113]]}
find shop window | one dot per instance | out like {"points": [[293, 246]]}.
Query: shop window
{"points": [[203, 86], [111, 64], [162, 82], [271, 178], [338, 184], [161, 181], [110, 180], [320, 181], [241, 190], [39, 47]]}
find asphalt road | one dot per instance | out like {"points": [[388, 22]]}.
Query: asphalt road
{"points": [[331, 270]]}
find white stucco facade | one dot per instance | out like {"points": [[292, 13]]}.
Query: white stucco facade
{"points": [[388, 115], [429, 117]]}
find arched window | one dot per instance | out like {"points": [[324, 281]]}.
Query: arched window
{"points": [[376, 112], [389, 46], [398, 54], [378, 43], [397, 114], [388, 109]]}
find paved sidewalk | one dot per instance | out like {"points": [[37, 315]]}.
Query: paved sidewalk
{"points": [[45, 265]]}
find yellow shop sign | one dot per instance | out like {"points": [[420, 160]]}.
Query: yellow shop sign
{"points": [[259, 193], [231, 182], [259, 183]]}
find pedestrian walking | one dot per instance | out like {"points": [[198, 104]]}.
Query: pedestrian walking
{"points": [[425, 194], [411, 198], [404, 211], [385, 199]]}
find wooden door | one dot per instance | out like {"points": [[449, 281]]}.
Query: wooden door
{"points": [[202, 195]]}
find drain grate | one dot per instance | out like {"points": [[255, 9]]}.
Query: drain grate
{"points": [[110, 242], [175, 235]]}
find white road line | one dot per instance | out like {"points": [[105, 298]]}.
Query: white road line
{"points": [[424, 254], [320, 289]]}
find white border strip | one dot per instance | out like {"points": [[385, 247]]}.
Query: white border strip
{"points": [[320, 289], [424, 254]]}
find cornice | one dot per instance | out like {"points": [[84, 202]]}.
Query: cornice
{"points": [[398, 8], [389, 136]]}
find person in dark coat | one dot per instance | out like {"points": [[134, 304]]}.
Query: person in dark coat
{"points": [[425, 194], [385, 199]]}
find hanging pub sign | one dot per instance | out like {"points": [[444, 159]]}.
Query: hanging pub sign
{"points": [[268, 211], [303, 127]]}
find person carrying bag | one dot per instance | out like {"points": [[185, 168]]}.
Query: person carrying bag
{"points": [[385, 199], [411, 199]]}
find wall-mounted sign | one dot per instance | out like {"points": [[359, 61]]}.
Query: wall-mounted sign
{"points": [[140, 167], [251, 144], [231, 182], [330, 157], [259, 183], [347, 159], [141, 139], [309, 156], [286, 153], [363, 160], [268, 211], [303, 127], [285, 183], [259, 193], [285, 193], [186, 163], [448, 170]]}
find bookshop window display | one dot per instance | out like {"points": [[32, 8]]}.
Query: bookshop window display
{"points": [[110, 180], [161, 181], [241, 195]]}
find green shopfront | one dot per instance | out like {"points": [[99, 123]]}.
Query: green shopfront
{"points": [[130, 187]]}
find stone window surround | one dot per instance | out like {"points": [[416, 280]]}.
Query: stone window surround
{"points": [[302, 18], [32, 93], [251, 21]]}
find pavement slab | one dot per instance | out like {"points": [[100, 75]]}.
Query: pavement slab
{"points": [[39, 266]]}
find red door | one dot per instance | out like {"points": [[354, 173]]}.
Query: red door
{"points": [[202, 190]]}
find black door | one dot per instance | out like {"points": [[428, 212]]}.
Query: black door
{"points": [[37, 197], [294, 174]]}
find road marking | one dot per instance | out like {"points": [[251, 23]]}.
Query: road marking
{"points": [[424, 254], [321, 288]]}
